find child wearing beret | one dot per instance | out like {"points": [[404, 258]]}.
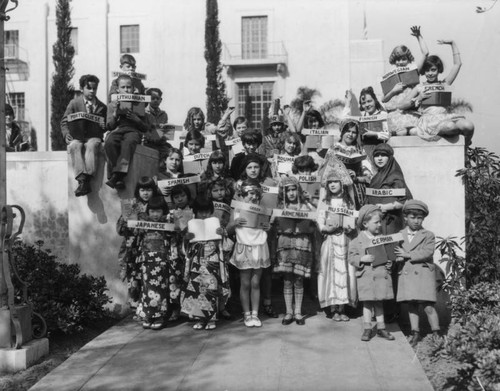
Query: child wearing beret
{"points": [[416, 280]]}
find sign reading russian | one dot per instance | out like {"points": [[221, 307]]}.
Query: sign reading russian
{"points": [[338, 210]]}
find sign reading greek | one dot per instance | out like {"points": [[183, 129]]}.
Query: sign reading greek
{"points": [[385, 192], [150, 225]]}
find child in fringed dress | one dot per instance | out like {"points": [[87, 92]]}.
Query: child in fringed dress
{"points": [[295, 253], [336, 281]]}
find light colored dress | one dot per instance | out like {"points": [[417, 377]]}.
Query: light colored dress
{"points": [[400, 120], [251, 250], [434, 119], [336, 281]]}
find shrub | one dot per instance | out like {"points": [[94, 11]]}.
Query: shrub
{"points": [[482, 297], [65, 298]]}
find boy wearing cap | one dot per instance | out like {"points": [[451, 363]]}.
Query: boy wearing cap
{"points": [[15, 141], [127, 65], [416, 280], [126, 131]]}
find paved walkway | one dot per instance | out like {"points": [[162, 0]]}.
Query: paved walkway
{"points": [[322, 355]]}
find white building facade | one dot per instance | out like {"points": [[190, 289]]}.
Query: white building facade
{"points": [[270, 48]]}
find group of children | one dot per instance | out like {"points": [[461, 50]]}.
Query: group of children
{"points": [[348, 218]]}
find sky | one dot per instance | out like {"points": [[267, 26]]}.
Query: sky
{"points": [[476, 34]]}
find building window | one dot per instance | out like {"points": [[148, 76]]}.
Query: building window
{"points": [[254, 100], [16, 100], [11, 43], [74, 38], [129, 39], [254, 37]]}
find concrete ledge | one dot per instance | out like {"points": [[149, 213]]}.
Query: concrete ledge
{"points": [[14, 360], [51, 156], [417, 142]]}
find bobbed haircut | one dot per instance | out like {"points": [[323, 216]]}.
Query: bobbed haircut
{"points": [[251, 136], [145, 182], [398, 52], [195, 135], [202, 204], [304, 163], [156, 203], [430, 62], [369, 91]]}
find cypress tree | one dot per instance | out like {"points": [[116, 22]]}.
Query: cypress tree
{"points": [[216, 88], [62, 55]]}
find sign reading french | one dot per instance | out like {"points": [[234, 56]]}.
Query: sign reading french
{"points": [[440, 95], [150, 225]]}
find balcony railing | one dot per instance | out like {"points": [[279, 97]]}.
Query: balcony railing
{"points": [[11, 51], [263, 53]]}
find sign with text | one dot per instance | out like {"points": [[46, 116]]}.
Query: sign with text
{"points": [[135, 75], [150, 225], [440, 95], [295, 214], [256, 216], [407, 75], [83, 126], [385, 192]]}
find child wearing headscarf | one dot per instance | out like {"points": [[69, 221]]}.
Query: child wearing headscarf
{"points": [[388, 191]]}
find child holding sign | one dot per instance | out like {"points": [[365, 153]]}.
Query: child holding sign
{"points": [[126, 128], [435, 121], [84, 146], [372, 272], [295, 254], [251, 254], [349, 151], [417, 280], [283, 161], [160, 254], [399, 119], [388, 191], [130, 271], [207, 288], [336, 285]]}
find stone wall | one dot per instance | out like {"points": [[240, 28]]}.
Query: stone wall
{"points": [[43, 185]]}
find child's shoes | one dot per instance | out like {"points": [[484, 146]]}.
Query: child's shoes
{"points": [[367, 335], [248, 320], [385, 334], [300, 319], [210, 325], [415, 338], [199, 326], [287, 319], [158, 324], [256, 321], [146, 324], [336, 317]]}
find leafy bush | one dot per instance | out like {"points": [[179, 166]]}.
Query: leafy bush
{"points": [[482, 297], [65, 298], [475, 344], [481, 177]]}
